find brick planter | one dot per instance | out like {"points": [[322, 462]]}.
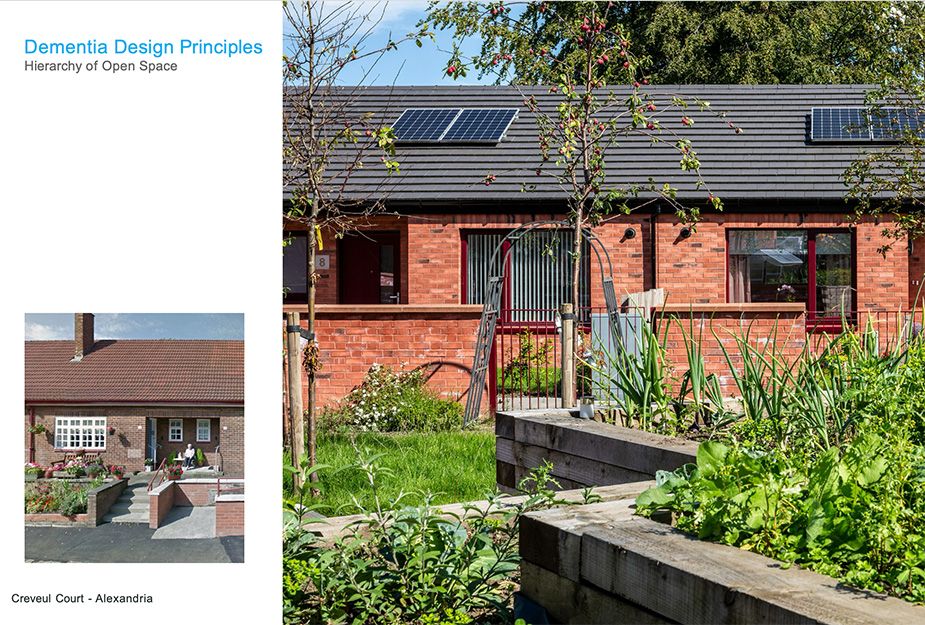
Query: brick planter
{"points": [[53, 518]]}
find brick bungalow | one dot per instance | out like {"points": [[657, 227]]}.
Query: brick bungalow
{"points": [[134, 399], [409, 288]]}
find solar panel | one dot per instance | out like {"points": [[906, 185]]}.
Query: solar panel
{"points": [[480, 125], [888, 124], [839, 124], [453, 125], [424, 125]]}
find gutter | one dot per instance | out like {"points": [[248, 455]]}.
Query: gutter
{"points": [[652, 244]]}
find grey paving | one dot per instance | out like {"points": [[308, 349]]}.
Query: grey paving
{"points": [[112, 542], [186, 523]]}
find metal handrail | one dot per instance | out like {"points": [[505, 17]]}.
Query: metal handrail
{"points": [[229, 489], [160, 468]]}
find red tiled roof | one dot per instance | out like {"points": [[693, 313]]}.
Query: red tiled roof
{"points": [[136, 371]]}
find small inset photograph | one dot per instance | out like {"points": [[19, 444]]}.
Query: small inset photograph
{"points": [[134, 437]]}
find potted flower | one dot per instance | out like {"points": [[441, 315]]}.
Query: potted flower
{"points": [[117, 471], [50, 471], [174, 472], [33, 471], [95, 470], [38, 428], [112, 430], [149, 464], [75, 470]]}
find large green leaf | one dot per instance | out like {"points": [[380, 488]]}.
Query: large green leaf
{"points": [[710, 457], [654, 498]]}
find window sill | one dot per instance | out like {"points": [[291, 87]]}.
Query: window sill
{"points": [[737, 307], [387, 309]]}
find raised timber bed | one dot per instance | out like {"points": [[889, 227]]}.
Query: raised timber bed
{"points": [[582, 452], [601, 564]]}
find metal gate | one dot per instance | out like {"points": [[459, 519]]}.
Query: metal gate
{"points": [[492, 307]]}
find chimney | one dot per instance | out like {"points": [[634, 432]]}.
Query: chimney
{"points": [[83, 334]]}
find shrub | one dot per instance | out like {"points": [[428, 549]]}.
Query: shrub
{"points": [[403, 564], [392, 401], [59, 496]]}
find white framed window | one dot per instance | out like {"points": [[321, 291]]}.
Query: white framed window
{"points": [[175, 431], [80, 432], [203, 430]]}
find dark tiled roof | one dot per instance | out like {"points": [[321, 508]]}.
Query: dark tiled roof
{"points": [[772, 158], [136, 371]]}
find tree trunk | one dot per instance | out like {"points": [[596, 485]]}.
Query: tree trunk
{"points": [[296, 425]]}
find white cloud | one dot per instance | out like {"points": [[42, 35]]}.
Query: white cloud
{"points": [[42, 332]]}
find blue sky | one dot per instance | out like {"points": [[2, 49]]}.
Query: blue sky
{"points": [[407, 65], [56, 326]]}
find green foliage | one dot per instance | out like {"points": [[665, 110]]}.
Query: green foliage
{"points": [[392, 401], [457, 465], [890, 178], [405, 564], [63, 496], [826, 467], [853, 513], [200, 457], [641, 381], [695, 42]]}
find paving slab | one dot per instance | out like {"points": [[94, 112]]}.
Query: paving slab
{"points": [[186, 523]]}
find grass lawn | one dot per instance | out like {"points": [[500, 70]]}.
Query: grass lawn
{"points": [[460, 465]]}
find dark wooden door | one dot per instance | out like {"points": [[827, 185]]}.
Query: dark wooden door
{"points": [[370, 268]]}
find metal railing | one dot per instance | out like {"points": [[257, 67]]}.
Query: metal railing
{"points": [[224, 486], [525, 372], [162, 471]]}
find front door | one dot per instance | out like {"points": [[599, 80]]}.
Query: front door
{"points": [[370, 268], [152, 440]]}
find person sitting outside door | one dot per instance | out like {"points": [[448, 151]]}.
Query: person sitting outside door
{"points": [[188, 456]]}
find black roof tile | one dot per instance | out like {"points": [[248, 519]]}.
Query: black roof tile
{"points": [[772, 158]]}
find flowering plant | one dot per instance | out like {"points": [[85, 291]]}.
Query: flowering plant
{"points": [[112, 430], [116, 469], [38, 428], [31, 467], [788, 292], [95, 469], [175, 470]]}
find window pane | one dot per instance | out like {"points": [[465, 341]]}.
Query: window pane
{"points": [[833, 273], [768, 266], [479, 248], [203, 430], [294, 259], [176, 430], [539, 274]]}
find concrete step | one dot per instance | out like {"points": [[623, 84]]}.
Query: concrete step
{"points": [[127, 518], [128, 507]]}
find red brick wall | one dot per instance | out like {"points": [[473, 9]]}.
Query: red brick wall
{"points": [[195, 492], [159, 504], [351, 343], [229, 516], [129, 445], [691, 270], [785, 330]]}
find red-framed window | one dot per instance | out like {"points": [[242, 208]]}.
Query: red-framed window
{"points": [[813, 266]]}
